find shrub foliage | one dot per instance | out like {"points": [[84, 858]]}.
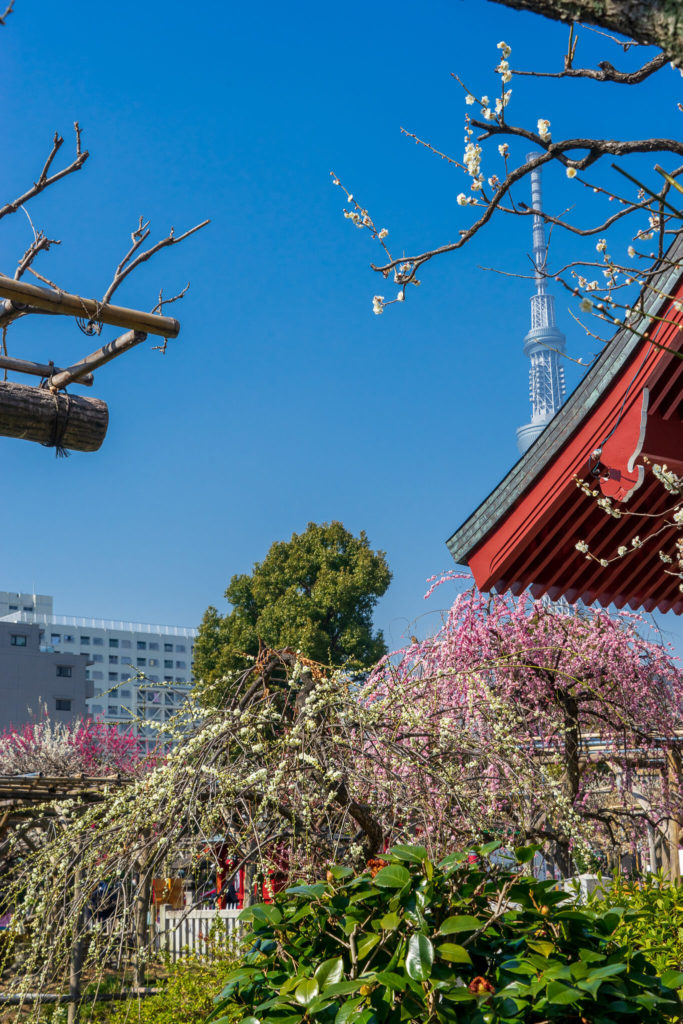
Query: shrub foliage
{"points": [[464, 940]]}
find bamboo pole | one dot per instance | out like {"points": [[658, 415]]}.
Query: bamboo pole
{"points": [[66, 304], [98, 358], [38, 369]]}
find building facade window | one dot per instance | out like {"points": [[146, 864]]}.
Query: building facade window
{"points": [[98, 657], [18, 640], [141, 662], [55, 638], [142, 645], [85, 641], [113, 659], [125, 643], [113, 641], [180, 648], [64, 671], [62, 704], [69, 639], [153, 662], [180, 664], [153, 646], [98, 641], [168, 648], [168, 663]]}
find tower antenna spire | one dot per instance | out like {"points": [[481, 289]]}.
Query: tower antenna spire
{"points": [[544, 343]]}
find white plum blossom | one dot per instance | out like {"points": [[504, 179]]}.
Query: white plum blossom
{"points": [[601, 245], [378, 304], [506, 50], [543, 128], [462, 199], [383, 233], [571, 172], [582, 547], [504, 149], [469, 99], [631, 251], [585, 306]]}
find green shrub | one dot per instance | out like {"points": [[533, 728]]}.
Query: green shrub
{"points": [[187, 997], [655, 922], [460, 941]]}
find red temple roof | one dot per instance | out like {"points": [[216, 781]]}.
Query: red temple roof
{"points": [[629, 405]]}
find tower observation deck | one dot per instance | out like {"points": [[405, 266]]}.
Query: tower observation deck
{"points": [[544, 343]]}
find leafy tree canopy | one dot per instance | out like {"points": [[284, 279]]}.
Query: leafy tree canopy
{"points": [[314, 593]]}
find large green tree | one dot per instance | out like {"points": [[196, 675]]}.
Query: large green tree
{"points": [[314, 593]]}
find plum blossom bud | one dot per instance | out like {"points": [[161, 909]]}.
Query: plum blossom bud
{"points": [[401, 297]]}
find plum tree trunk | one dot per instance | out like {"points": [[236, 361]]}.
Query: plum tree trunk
{"points": [[654, 22]]}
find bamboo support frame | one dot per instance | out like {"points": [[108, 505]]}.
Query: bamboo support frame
{"points": [[76, 372], [39, 369], [66, 304]]}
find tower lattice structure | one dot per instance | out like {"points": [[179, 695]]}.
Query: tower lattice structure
{"points": [[544, 343]]}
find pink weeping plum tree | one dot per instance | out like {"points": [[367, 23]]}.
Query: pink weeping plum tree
{"points": [[568, 721]]}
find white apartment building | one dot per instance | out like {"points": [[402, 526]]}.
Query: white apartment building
{"points": [[140, 673]]}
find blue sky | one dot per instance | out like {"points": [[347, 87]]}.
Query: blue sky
{"points": [[284, 399]]}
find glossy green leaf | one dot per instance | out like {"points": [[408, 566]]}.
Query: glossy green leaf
{"points": [[542, 947], [390, 922], [366, 943], [453, 953], [306, 991], [420, 957], [348, 1010], [329, 972], [673, 979], [525, 854], [411, 854], [392, 877], [460, 923]]}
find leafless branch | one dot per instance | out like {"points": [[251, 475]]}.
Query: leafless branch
{"points": [[159, 307], [605, 72], [41, 243], [6, 13], [46, 179], [140, 235]]}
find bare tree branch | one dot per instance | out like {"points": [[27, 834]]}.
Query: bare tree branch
{"points": [[45, 179], [138, 236], [6, 13], [605, 73]]}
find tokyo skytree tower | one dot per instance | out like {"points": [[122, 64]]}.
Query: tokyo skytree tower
{"points": [[544, 343]]}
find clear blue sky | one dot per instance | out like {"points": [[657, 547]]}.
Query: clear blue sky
{"points": [[284, 399]]}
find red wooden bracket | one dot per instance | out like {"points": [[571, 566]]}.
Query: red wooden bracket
{"points": [[637, 433]]}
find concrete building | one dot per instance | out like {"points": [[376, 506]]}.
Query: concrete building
{"points": [[31, 676], [126, 660]]}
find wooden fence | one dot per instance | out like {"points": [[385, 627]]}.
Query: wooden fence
{"points": [[198, 932]]}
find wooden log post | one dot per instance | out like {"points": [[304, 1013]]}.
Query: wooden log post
{"points": [[61, 421]]}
